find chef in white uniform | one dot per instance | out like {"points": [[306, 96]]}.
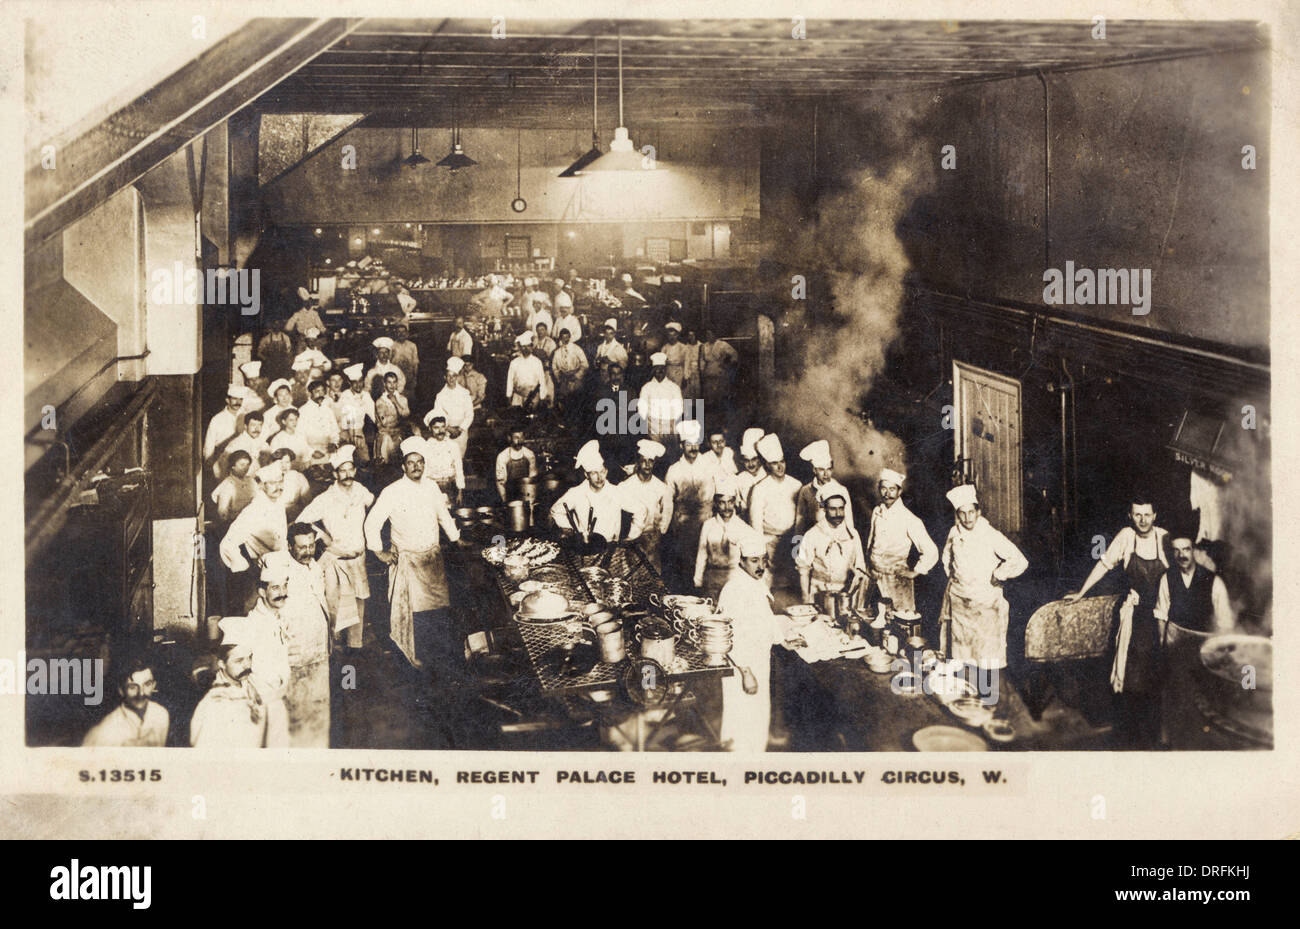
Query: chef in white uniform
{"points": [[772, 511], [457, 404], [978, 561], [526, 376], [829, 556], [224, 426], [718, 552], [384, 365], [232, 713], [353, 408], [259, 528], [751, 470], [807, 508], [609, 351], [660, 401], [594, 507], [648, 499], [746, 695], [414, 509], [895, 531], [268, 629], [137, 720]]}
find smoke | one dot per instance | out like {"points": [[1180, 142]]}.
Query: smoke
{"points": [[1246, 511], [854, 245]]}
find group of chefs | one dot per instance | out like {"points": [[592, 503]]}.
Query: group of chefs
{"points": [[295, 521]]}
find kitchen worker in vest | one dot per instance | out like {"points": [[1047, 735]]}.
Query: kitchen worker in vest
{"points": [[232, 713], [406, 356], [807, 509], [308, 693], [674, 349], [339, 514], [223, 427], [304, 319], [690, 480], [414, 510], [660, 401], [384, 366], [391, 411], [593, 509], [772, 511], [442, 463], [718, 552], [455, 401], [829, 556], [268, 628], [978, 561], [751, 470], [649, 500], [474, 381], [515, 465], [746, 695], [895, 531], [353, 407], [259, 528], [526, 377], [1139, 550], [609, 351], [137, 720]]}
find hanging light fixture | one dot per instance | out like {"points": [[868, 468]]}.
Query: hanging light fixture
{"points": [[415, 159], [622, 155], [587, 158], [456, 158]]}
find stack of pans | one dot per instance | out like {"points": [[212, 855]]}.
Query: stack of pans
{"points": [[713, 635]]}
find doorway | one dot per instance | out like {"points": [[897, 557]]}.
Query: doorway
{"points": [[988, 442]]}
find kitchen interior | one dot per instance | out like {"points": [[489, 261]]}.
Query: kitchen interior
{"points": [[865, 214]]}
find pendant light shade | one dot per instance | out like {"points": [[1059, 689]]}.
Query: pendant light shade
{"points": [[594, 152], [622, 154], [456, 158], [415, 159]]}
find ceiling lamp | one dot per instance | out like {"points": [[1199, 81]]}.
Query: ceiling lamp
{"points": [[415, 159], [622, 155], [456, 158], [588, 157]]}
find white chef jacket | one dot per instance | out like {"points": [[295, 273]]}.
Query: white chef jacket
{"points": [[306, 614], [719, 465], [460, 343], [771, 504], [744, 484], [261, 527], [650, 503], [343, 515], [719, 546], [691, 484], [569, 360], [457, 403], [221, 429], [746, 717], [608, 352], [380, 371], [256, 448], [973, 558], [894, 530], [353, 408], [230, 715], [442, 461], [538, 313], [318, 425], [524, 374], [269, 635], [123, 726], [414, 510], [830, 555], [569, 322], [296, 443], [660, 405], [270, 423], [607, 505]]}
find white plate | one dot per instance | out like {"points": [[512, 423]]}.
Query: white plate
{"points": [[947, 739]]}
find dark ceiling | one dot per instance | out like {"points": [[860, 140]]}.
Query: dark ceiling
{"points": [[540, 73]]}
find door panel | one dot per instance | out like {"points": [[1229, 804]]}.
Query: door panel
{"points": [[989, 437]]}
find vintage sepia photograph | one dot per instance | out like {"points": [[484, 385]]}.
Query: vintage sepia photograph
{"points": [[645, 385]]}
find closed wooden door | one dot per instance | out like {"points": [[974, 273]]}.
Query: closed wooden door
{"points": [[988, 427]]}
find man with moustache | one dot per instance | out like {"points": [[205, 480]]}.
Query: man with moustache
{"points": [[460, 343], [515, 465], [269, 635], [391, 411], [474, 381], [690, 480], [609, 351], [223, 427], [660, 402], [339, 514], [456, 403], [442, 461], [526, 377], [249, 441], [282, 392], [1139, 551], [259, 528], [384, 366], [829, 556], [895, 531], [649, 501], [316, 421], [593, 509], [414, 509], [807, 509], [137, 720], [308, 693], [232, 713], [718, 552], [751, 470], [719, 457], [772, 511]]}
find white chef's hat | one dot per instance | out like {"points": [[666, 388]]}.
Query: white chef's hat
{"points": [[611, 323], [890, 476], [382, 342], [675, 326], [354, 372], [454, 365], [413, 445], [237, 391], [770, 448], [303, 362], [689, 430], [747, 441], [272, 472], [530, 282], [435, 413], [625, 278], [343, 455], [251, 369], [313, 332], [658, 359], [962, 495], [830, 490], [235, 632], [276, 566], [276, 385], [752, 545], [589, 457], [724, 485], [524, 338], [818, 453], [649, 448], [304, 294], [558, 282]]}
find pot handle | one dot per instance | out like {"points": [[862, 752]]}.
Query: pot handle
{"points": [[655, 601]]}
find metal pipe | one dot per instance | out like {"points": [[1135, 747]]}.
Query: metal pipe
{"points": [[1047, 173]]}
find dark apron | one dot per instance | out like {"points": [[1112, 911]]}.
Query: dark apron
{"points": [[516, 474], [1142, 670]]}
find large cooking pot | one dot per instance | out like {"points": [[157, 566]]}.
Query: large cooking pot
{"points": [[551, 482], [517, 516], [658, 640]]}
